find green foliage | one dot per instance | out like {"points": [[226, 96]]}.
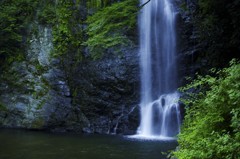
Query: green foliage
{"points": [[14, 18], [212, 122], [98, 3], [68, 32], [17, 17], [46, 13], [109, 27], [42, 102]]}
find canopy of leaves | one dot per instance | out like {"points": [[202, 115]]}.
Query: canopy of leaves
{"points": [[211, 126], [108, 27]]}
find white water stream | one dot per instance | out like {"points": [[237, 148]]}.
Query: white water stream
{"points": [[160, 114]]}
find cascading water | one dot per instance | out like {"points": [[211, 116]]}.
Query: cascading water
{"points": [[160, 114]]}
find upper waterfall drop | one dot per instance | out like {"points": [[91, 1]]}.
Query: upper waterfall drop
{"points": [[160, 114]]}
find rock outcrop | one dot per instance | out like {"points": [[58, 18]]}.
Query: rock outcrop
{"points": [[94, 97], [109, 92]]}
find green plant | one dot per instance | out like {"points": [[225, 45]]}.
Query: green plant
{"points": [[98, 3], [211, 125], [47, 13], [40, 69], [14, 19], [68, 33], [109, 27]]}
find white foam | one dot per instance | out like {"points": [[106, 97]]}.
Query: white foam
{"points": [[151, 137]]}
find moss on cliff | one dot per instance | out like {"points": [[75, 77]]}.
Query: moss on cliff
{"points": [[3, 107]]}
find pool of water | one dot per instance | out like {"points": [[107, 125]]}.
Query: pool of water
{"points": [[21, 144]]}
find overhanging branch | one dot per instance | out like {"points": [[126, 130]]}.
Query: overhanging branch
{"points": [[140, 7]]}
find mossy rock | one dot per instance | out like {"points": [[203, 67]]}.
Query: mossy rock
{"points": [[38, 123], [3, 107]]}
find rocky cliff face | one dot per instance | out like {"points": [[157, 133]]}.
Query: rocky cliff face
{"points": [[108, 91], [189, 48], [95, 96], [34, 92], [205, 43]]}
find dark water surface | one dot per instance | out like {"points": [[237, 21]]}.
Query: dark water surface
{"points": [[20, 144]]}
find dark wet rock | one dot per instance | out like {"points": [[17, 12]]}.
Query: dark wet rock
{"points": [[189, 49], [108, 91], [94, 97], [35, 93]]}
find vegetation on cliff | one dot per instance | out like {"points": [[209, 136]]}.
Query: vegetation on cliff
{"points": [[45, 58], [108, 24], [68, 31], [14, 19], [109, 27]]}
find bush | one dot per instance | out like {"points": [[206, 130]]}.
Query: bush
{"points": [[211, 126]]}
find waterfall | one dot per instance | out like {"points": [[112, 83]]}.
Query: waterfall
{"points": [[160, 114]]}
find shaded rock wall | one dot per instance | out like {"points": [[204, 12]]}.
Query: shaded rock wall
{"points": [[189, 48], [34, 92], [93, 96], [108, 92]]}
